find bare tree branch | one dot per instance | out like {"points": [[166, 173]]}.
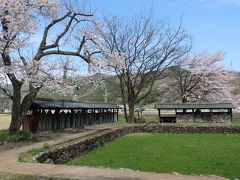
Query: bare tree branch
{"points": [[149, 49]]}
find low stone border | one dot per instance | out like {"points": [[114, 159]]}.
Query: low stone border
{"points": [[65, 154]]}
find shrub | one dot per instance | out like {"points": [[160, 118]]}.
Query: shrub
{"points": [[7, 136], [139, 120]]}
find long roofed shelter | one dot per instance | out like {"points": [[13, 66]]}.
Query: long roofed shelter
{"points": [[47, 115], [195, 112]]}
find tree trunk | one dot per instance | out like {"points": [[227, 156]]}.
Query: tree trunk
{"points": [[125, 111], [184, 100], [131, 112], [28, 99], [20, 109], [122, 86], [16, 119]]}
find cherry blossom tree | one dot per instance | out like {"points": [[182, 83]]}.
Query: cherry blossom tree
{"points": [[200, 79], [62, 30], [146, 49]]}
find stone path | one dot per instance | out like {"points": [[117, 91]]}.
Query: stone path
{"points": [[9, 164]]}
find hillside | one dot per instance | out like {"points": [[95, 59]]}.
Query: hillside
{"points": [[113, 93]]}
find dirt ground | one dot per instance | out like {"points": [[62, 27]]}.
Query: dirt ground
{"points": [[42, 137], [9, 164]]}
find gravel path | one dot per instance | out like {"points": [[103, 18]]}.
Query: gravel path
{"points": [[9, 164]]}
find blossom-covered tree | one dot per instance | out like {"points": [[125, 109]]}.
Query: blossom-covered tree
{"points": [[200, 79], [59, 27], [146, 49]]}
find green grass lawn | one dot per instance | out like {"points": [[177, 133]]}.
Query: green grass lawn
{"points": [[207, 154]]}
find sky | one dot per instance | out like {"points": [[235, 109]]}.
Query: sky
{"points": [[213, 24]]}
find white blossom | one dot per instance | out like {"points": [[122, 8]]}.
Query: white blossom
{"points": [[202, 78]]}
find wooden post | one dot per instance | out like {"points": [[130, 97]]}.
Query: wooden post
{"points": [[84, 116], [55, 119], [193, 115], [117, 115], [106, 113], [231, 114], [111, 119], [103, 118], [175, 116], [112, 115], [94, 116], [114, 110], [194, 120], [100, 116], [44, 121], [159, 115], [80, 121], [71, 119], [211, 114], [41, 123]]}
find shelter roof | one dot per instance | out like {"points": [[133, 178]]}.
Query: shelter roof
{"points": [[50, 104], [195, 106]]}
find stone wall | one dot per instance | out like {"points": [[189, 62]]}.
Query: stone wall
{"points": [[221, 117], [65, 154], [215, 117], [180, 117]]}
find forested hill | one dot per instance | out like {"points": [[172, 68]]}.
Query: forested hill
{"points": [[90, 93], [111, 92]]}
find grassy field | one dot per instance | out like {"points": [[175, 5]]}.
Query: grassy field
{"points": [[28, 156], [236, 119], [4, 121], [147, 118], [206, 154]]}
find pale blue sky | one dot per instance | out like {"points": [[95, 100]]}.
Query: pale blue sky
{"points": [[214, 24]]}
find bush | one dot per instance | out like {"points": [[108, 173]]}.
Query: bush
{"points": [[139, 120], [7, 136]]}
